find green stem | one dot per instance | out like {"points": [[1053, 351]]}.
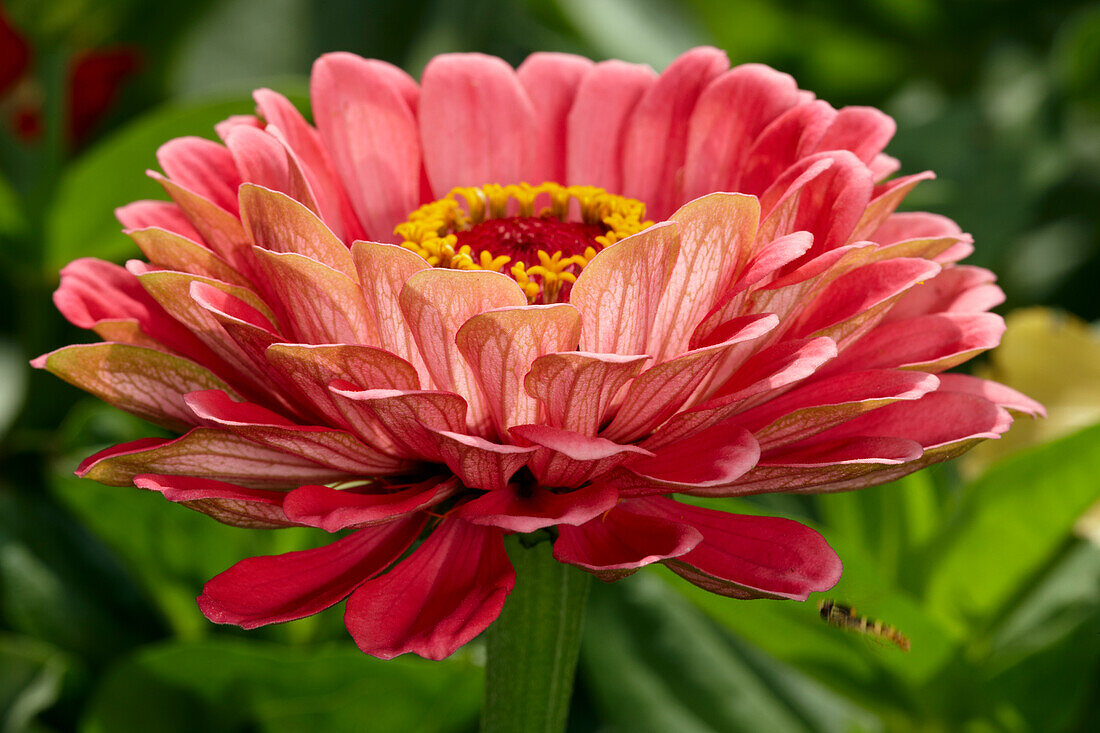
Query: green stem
{"points": [[533, 646]]}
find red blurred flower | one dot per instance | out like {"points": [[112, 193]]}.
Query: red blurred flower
{"points": [[565, 364]]}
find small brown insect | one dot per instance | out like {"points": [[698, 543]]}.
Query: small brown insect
{"points": [[845, 617]]}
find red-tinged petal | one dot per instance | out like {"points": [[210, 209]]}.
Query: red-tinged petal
{"points": [[915, 225], [576, 389], [271, 589], [315, 303], [288, 125], [713, 457], [145, 382], [716, 235], [929, 343], [407, 419], [334, 448], [383, 270], [679, 383], [938, 419], [596, 124], [883, 166], [220, 230], [436, 303], [204, 167], [995, 392], [788, 138], [864, 131], [551, 81], [474, 122], [437, 599], [278, 223], [885, 202], [227, 503], [369, 129], [771, 258], [528, 510], [956, 289], [620, 291], [307, 371], [745, 556], [260, 158], [170, 251], [817, 451], [479, 463], [655, 140], [335, 509], [569, 459], [162, 214], [731, 112], [501, 345], [206, 453], [821, 403], [233, 122], [622, 540]]}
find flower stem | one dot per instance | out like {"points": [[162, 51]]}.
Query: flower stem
{"points": [[533, 646]]}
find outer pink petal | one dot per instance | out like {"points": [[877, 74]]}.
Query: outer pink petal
{"points": [[930, 343], [788, 138], [619, 292], [206, 453], [260, 158], [551, 81], [713, 457], [915, 225], [368, 127], [751, 557], [335, 509], [576, 389], [227, 503], [437, 599], [203, 166], [436, 303], [479, 463], [500, 347], [278, 223], [528, 510], [163, 214], [276, 588], [220, 229], [731, 112], [886, 199], [956, 289], [170, 251], [598, 120], [475, 120], [863, 130], [622, 540], [568, 459], [655, 142], [995, 392], [409, 419]]}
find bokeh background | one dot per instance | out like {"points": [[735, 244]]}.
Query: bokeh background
{"points": [[991, 566]]}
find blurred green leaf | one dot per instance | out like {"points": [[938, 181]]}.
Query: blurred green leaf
{"points": [[1008, 525], [229, 685], [32, 676], [81, 221], [654, 663]]}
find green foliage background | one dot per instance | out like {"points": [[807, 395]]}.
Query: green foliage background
{"points": [[98, 627]]}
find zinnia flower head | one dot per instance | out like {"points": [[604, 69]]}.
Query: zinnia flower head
{"points": [[445, 314]]}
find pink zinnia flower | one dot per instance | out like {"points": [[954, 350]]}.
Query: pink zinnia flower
{"points": [[374, 324]]}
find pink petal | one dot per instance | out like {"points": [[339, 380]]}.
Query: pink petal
{"points": [[865, 131], [885, 202], [655, 140], [527, 510], [996, 393], [202, 166], [596, 124], [334, 448], [436, 303], [770, 259], [816, 451], [260, 158], [170, 251], [713, 457], [568, 459], [479, 463], [915, 225], [716, 233], [955, 289], [227, 503], [576, 389], [206, 453], [145, 382], [622, 540], [315, 303], [407, 420], [437, 599], [937, 419], [264, 590], [620, 290], [930, 343], [234, 122], [790, 137], [731, 112], [501, 345], [368, 127], [278, 223], [475, 122], [335, 509], [220, 229], [751, 557], [162, 214], [551, 81]]}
